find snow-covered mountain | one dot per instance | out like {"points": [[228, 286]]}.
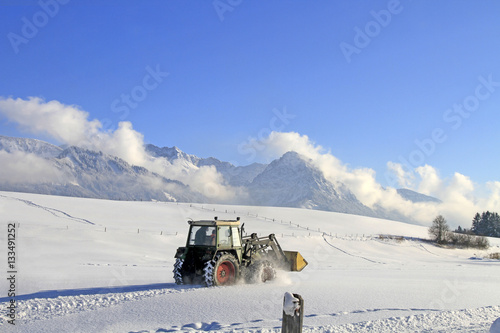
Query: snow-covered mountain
{"points": [[30, 146], [81, 172], [113, 178], [293, 181], [234, 175], [171, 154], [416, 197], [290, 181]]}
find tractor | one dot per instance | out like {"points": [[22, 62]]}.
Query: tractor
{"points": [[217, 254]]}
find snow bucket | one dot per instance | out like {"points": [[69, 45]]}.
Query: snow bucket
{"points": [[297, 262]]}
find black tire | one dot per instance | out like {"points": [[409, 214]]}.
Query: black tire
{"points": [[223, 270], [261, 272], [178, 271]]}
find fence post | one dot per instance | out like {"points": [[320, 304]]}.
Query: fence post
{"points": [[293, 313]]}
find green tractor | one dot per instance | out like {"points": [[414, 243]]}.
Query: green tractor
{"points": [[216, 254]]}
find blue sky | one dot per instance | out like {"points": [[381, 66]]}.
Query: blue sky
{"points": [[365, 80]]}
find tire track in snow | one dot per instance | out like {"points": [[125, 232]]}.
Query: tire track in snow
{"points": [[413, 242], [50, 304], [53, 211], [468, 320], [344, 313], [431, 321], [350, 254], [421, 246]]}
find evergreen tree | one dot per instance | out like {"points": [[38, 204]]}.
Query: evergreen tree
{"points": [[476, 222], [494, 225], [486, 224]]}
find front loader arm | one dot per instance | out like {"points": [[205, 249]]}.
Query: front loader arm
{"points": [[269, 247]]}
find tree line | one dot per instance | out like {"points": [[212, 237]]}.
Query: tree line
{"points": [[440, 232], [486, 224]]}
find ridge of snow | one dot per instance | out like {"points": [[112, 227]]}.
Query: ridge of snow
{"points": [[30, 146], [415, 196]]}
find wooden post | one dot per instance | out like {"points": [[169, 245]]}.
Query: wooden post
{"points": [[293, 313]]}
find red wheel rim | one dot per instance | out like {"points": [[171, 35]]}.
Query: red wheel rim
{"points": [[225, 272]]}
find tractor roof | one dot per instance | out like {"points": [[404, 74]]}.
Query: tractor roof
{"points": [[216, 222]]}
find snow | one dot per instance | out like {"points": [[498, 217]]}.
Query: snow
{"points": [[40, 148], [89, 265], [290, 304]]}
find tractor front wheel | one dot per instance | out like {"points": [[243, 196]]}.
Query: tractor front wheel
{"points": [[223, 270], [260, 272], [266, 271]]}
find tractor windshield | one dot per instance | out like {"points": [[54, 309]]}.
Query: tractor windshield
{"points": [[202, 235]]}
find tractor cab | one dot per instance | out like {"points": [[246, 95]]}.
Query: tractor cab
{"points": [[215, 233], [202, 235]]}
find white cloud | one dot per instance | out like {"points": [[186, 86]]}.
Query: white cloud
{"points": [[430, 183], [404, 179], [459, 194], [124, 142], [205, 179], [20, 167], [70, 125], [66, 124]]}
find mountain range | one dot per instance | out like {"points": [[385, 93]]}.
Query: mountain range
{"points": [[289, 181]]}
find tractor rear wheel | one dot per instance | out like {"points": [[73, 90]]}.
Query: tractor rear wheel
{"points": [[223, 270], [177, 271]]}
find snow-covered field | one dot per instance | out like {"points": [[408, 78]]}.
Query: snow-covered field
{"points": [[86, 265]]}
